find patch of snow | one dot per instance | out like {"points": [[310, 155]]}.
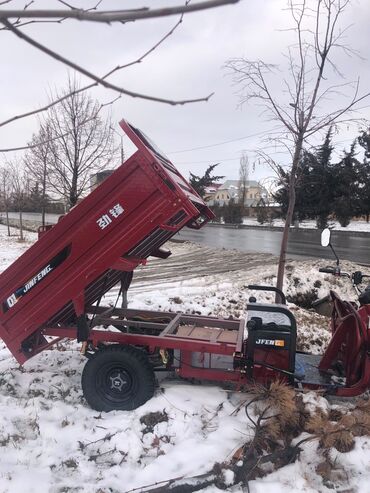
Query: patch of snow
{"points": [[361, 226], [52, 442]]}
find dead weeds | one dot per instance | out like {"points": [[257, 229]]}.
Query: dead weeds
{"points": [[150, 420]]}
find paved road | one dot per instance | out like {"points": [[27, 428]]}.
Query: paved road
{"points": [[33, 216], [303, 243]]}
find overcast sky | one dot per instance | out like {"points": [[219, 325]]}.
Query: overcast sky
{"points": [[189, 64]]}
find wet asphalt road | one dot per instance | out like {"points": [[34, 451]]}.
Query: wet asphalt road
{"points": [[302, 243]]}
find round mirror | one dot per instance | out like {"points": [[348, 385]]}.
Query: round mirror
{"points": [[325, 237]]}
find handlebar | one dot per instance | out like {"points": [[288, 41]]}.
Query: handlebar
{"points": [[335, 271], [327, 270], [356, 277], [269, 288]]}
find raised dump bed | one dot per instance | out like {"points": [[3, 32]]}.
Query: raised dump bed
{"points": [[53, 292], [95, 246]]}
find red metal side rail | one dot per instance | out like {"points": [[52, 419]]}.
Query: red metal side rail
{"points": [[114, 229]]}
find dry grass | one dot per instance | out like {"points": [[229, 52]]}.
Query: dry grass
{"points": [[279, 416], [339, 433]]}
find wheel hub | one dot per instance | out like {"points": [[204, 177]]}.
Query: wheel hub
{"points": [[117, 382]]}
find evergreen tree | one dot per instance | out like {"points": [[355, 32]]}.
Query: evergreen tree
{"points": [[364, 176], [305, 191], [306, 188], [346, 203], [281, 196], [233, 213], [199, 183], [315, 185], [262, 214], [217, 211], [321, 183]]}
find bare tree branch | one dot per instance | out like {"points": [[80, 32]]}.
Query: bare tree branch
{"points": [[43, 142], [113, 16], [94, 84], [252, 75], [75, 8], [92, 76], [18, 22]]}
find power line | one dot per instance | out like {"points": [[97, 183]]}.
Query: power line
{"points": [[237, 158], [220, 143], [264, 132], [208, 161]]}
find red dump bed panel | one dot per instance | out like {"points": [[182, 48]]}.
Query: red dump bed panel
{"points": [[114, 229]]}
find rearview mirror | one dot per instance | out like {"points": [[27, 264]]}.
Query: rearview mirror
{"points": [[325, 237]]}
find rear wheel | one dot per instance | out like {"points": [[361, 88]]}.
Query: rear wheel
{"points": [[118, 377]]}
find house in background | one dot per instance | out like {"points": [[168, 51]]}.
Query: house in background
{"points": [[210, 192], [255, 194], [99, 177]]}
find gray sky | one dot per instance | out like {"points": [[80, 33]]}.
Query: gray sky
{"points": [[189, 64]]}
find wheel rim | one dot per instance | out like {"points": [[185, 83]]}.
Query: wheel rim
{"points": [[115, 383]]}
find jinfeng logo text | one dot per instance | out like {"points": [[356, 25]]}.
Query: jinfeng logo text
{"points": [[38, 277]]}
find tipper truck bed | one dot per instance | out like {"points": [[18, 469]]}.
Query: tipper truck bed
{"points": [[96, 245]]}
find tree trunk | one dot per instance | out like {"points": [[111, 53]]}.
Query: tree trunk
{"points": [[7, 217], [21, 224], [43, 204], [289, 216], [73, 190], [43, 215], [43, 207]]}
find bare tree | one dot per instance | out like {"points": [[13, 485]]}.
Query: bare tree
{"points": [[5, 191], [243, 179], [38, 161], [80, 143], [298, 108], [268, 186], [19, 184]]}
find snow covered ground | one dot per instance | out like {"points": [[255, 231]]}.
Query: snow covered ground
{"points": [[361, 226], [52, 442]]}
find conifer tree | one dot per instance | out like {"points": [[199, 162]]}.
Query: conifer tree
{"points": [[346, 196], [199, 183], [315, 185], [322, 182], [233, 213], [364, 176]]}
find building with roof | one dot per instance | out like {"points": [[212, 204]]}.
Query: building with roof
{"points": [[210, 192], [231, 190]]}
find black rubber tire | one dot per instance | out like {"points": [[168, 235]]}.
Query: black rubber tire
{"points": [[118, 378]]}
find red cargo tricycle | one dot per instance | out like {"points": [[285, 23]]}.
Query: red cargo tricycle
{"points": [[53, 292]]}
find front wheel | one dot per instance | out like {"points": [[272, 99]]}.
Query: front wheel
{"points": [[118, 378]]}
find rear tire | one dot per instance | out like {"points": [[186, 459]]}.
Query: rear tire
{"points": [[118, 378]]}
